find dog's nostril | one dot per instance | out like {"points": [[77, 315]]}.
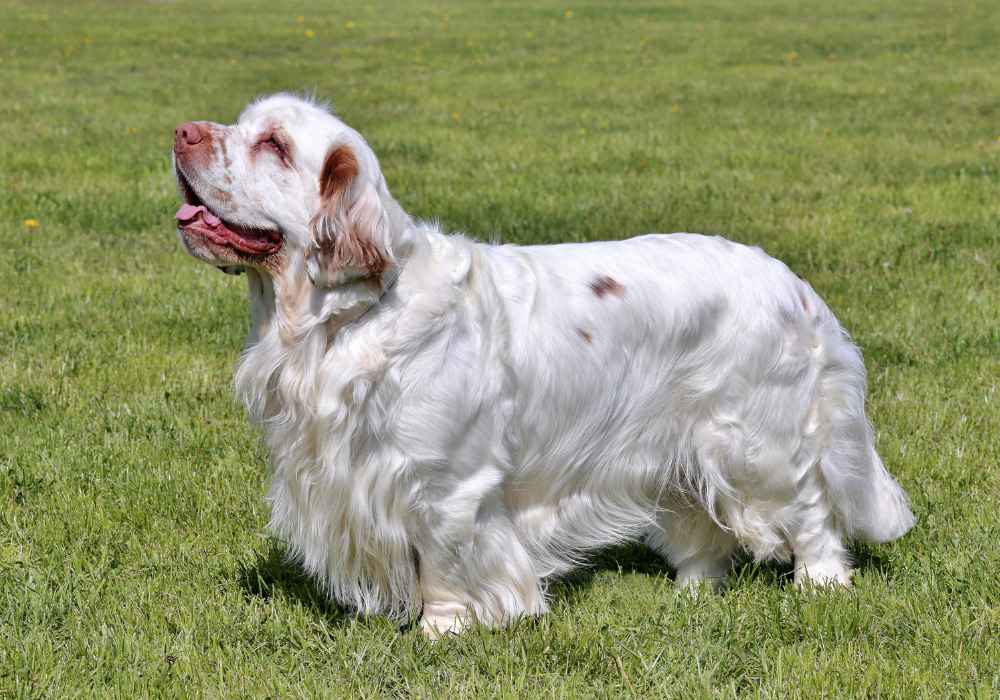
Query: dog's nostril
{"points": [[188, 134]]}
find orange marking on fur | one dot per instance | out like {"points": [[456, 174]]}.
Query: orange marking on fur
{"points": [[351, 247], [339, 170], [607, 285], [353, 251], [804, 300], [224, 148]]}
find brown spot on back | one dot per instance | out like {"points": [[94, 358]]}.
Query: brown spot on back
{"points": [[606, 284], [587, 337]]}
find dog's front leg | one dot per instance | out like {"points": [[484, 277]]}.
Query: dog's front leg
{"points": [[473, 565]]}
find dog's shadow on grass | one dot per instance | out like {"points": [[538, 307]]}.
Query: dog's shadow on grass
{"points": [[638, 559], [274, 575]]}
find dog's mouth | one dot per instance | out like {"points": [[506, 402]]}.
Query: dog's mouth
{"points": [[195, 218]]}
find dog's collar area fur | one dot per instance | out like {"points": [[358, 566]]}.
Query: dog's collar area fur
{"points": [[389, 279]]}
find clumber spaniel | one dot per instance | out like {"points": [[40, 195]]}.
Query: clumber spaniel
{"points": [[450, 423]]}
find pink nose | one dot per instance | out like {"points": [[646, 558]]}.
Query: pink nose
{"points": [[188, 135]]}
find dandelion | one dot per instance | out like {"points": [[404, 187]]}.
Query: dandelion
{"points": [[676, 108], [792, 56], [455, 116], [31, 223], [132, 131], [309, 34], [349, 24], [568, 14], [300, 19]]}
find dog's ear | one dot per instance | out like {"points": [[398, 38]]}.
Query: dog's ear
{"points": [[350, 232]]}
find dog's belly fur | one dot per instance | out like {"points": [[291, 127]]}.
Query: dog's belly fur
{"points": [[591, 394]]}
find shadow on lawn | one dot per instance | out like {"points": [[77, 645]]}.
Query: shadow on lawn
{"points": [[273, 574], [637, 559]]}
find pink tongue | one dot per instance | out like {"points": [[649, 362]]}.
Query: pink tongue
{"points": [[189, 212]]}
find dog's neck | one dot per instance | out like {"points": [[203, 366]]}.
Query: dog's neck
{"points": [[285, 301]]}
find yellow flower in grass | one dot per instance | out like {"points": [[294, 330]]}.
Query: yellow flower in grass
{"points": [[310, 34], [568, 14], [349, 24], [31, 223]]}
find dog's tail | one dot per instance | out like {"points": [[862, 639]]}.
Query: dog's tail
{"points": [[870, 503]]}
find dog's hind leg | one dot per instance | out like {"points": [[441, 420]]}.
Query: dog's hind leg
{"points": [[694, 545], [816, 538]]}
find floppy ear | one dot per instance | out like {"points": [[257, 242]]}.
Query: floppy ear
{"points": [[350, 232]]}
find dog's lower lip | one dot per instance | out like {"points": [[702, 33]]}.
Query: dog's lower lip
{"points": [[256, 243]]}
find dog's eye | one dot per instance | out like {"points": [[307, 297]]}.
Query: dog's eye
{"points": [[272, 143]]}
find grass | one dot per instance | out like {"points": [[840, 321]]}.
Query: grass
{"points": [[858, 141]]}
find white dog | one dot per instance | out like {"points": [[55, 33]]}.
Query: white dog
{"points": [[450, 423]]}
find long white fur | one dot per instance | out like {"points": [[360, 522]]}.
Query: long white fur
{"points": [[501, 411]]}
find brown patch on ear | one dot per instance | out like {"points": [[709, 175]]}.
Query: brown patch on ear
{"points": [[344, 227], [339, 170], [606, 284], [587, 337], [353, 251]]}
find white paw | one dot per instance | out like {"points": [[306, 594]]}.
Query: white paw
{"points": [[701, 576], [696, 585], [442, 621], [823, 574]]}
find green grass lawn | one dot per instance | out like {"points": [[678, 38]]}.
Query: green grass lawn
{"points": [[857, 141]]}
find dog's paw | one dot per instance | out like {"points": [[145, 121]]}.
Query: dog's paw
{"points": [[699, 585], [696, 577], [443, 621], [830, 574]]}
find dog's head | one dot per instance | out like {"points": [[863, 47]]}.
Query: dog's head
{"points": [[287, 186]]}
